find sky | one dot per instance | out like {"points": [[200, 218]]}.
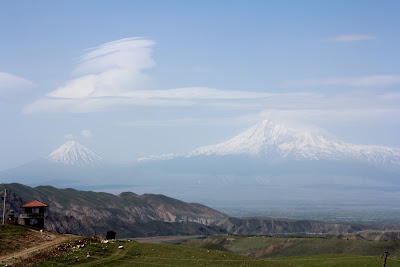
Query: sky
{"points": [[130, 79]]}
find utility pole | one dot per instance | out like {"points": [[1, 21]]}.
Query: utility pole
{"points": [[384, 259], [4, 204]]}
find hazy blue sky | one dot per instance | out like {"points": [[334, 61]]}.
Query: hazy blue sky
{"points": [[134, 78]]}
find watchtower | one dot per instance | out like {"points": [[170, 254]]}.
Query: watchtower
{"points": [[34, 213]]}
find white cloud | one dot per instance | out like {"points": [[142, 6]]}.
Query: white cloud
{"points": [[345, 109], [111, 76], [180, 97], [111, 69], [349, 109], [13, 88], [328, 117], [363, 81], [197, 69], [86, 134], [69, 136], [350, 38]]}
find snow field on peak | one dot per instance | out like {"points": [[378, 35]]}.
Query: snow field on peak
{"points": [[73, 153], [271, 140]]}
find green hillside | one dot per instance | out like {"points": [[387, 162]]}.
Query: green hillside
{"points": [[263, 247], [216, 251], [152, 255], [141, 254]]}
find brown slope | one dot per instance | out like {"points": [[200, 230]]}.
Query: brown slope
{"points": [[271, 226], [88, 213]]}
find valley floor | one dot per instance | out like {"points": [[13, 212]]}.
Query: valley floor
{"points": [[141, 254], [50, 249]]}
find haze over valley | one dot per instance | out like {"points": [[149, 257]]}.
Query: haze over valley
{"points": [[256, 110], [200, 133], [268, 166]]}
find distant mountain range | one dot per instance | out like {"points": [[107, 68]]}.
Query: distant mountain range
{"points": [[276, 141], [268, 163]]}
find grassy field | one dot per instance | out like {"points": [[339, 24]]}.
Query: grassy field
{"points": [[223, 250], [333, 260], [290, 247], [141, 254]]}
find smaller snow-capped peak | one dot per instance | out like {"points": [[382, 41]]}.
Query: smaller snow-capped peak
{"points": [[73, 153]]}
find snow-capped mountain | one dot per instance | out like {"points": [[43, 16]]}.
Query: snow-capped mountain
{"points": [[75, 154], [277, 141]]}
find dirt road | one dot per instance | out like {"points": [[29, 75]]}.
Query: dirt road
{"points": [[25, 253]]}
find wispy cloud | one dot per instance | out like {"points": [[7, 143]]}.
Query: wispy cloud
{"points": [[86, 134], [363, 81], [196, 69], [111, 69], [350, 38], [13, 88], [327, 117], [69, 136], [356, 108], [180, 97], [111, 76]]}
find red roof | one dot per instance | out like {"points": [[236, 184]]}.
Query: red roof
{"points": [[34, 204]]}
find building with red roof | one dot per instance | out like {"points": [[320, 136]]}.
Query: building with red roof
{"points": [[34, 204], [34, 213]]}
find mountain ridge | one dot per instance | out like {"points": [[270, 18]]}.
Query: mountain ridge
{"points": [[270, 140], [130, 215], [88, 212]]}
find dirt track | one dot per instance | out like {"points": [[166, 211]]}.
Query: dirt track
{"points": [[25, 253]]}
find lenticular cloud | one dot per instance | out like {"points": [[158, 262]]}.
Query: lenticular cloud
{"points": [[111, 75], [111, 69]]}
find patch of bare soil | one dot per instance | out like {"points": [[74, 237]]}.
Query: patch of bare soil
{"points": [[54, 250], [20, 238], [33, 241]]}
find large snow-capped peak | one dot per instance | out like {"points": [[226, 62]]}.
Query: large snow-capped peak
{"points": [[268, 137], [73, 153], [276, 141]]}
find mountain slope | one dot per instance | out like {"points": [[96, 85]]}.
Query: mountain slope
{"points": [[73, 153], [276, 141], [91, 213], [70, 164], [88, 213]]}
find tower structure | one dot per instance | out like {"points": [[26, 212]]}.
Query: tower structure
{"points": [[34, 213]]}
